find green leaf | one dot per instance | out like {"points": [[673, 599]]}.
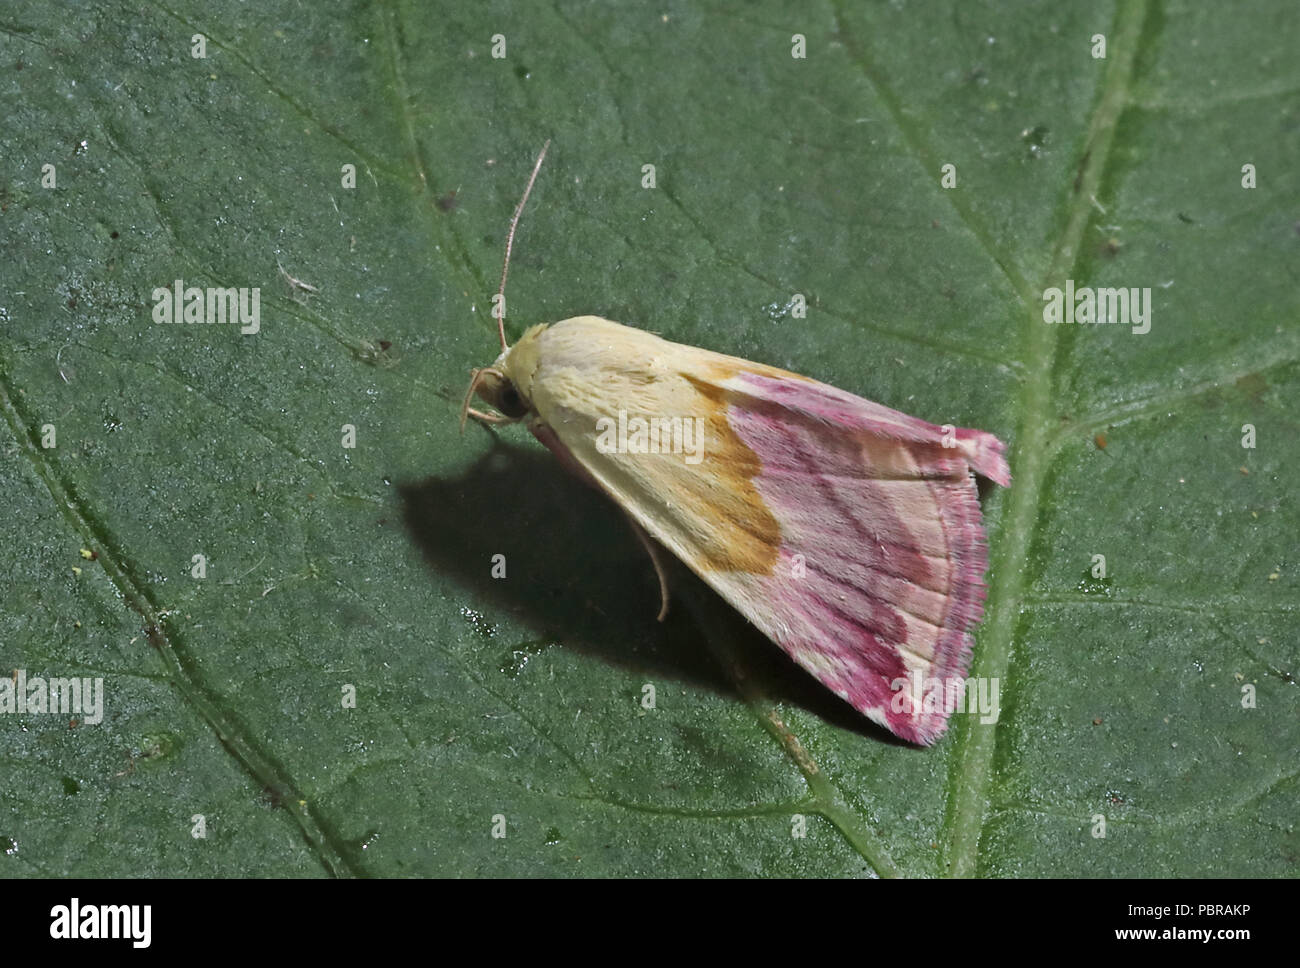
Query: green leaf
{"points": [[369, 567]]}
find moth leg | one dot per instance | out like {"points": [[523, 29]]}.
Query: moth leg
{"points": [[474, 380], [490, 418], [653, 551]]}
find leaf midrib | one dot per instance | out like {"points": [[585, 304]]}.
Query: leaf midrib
{"points": [[976, 742]]}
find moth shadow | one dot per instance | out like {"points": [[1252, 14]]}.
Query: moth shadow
{"points": [[575, 572], [573, 569]]}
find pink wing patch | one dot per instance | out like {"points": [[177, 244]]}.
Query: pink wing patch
{"points": [[880, 574]]}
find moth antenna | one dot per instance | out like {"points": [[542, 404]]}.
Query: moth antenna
{"points": [[510, 241]]}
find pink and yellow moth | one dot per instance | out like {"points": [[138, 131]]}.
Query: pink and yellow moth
{"points": [[850, 534]]}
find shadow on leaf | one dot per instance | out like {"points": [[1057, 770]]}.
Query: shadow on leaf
{"points": [[576, 572]]}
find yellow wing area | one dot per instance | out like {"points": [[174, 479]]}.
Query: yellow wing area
{"points": [[585, 376]]}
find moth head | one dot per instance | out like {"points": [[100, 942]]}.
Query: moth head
{"points": [[493, 385]]}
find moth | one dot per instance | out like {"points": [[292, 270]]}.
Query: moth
{"points": [[849, 533]]}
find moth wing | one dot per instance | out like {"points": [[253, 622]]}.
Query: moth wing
{"points": [[847, 532]]}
